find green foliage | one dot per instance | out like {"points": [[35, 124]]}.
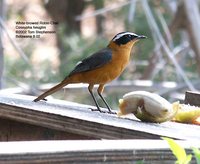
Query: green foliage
{"points": [[17, 70], [197, 154], [178, 151], [180, 154], [140, 162]]}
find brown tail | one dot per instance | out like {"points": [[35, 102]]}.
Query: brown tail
{"points": [[52, 90]]}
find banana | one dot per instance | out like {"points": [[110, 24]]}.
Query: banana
{"points": [[188, 114], [148, 107]]}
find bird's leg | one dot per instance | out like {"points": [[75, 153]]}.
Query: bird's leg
{"points": [[100, 90], [90, 87]]}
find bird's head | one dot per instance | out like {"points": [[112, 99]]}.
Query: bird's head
{"points": [[126, 38]]}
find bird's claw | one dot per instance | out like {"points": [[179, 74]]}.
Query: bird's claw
{"points": [[111, 112], [101, 111], [97, 110]]}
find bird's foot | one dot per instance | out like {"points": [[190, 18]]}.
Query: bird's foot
{"points": [[97, 110], [101, 111], [36, 100], [111, 112]]}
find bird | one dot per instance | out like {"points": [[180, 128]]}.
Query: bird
{"points": [[101, 67]]}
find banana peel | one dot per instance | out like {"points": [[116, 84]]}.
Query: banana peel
{"points": [[150, 107], [166, 115], [188, 114]]}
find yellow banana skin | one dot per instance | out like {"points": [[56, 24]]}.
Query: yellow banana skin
{"points": [[188, 114]]}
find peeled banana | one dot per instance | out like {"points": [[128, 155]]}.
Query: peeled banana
{"points": [[147, 107]]}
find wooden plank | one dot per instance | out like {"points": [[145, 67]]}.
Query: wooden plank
{"points": [[192, 98], [90, 151], [17, 131], [79, 119]]}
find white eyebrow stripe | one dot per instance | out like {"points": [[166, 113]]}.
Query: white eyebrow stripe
{"points": [[122, 34]]}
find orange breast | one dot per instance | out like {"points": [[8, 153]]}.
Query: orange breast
{"points": [[107, 72]]}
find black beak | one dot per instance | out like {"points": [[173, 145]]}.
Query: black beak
{"points": [[141, 37]]}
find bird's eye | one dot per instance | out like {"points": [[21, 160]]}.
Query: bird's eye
{"points": [[129, 36]]}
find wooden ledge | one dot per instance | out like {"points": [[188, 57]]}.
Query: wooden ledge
{"points": [[78, 119], [192, 98], [93, 151]]}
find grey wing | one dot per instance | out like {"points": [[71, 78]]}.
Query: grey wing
{"points": [[94, 61]]}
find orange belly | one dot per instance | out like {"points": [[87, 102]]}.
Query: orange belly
{"points": [[104, 74]]}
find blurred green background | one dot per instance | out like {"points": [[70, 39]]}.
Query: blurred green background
{"points": [[85, 26]]}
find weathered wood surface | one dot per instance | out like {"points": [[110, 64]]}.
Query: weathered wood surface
{"points": [[93, 151], [79, 119], [192, 98], [11, 130]]}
